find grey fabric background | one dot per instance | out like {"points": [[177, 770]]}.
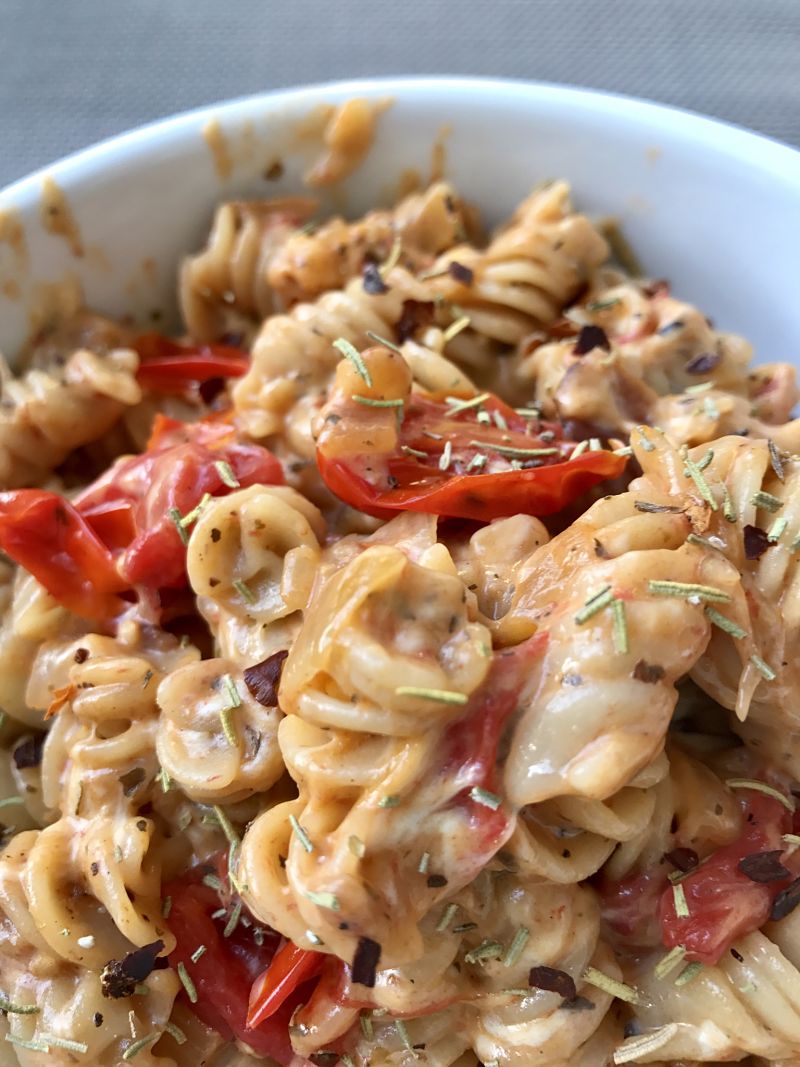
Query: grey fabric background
{"points": [[75, 71]]}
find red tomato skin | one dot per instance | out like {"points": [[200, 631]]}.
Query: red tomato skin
{"points": [[224, 974], [170, 367], [723, 903], [44, 533]]}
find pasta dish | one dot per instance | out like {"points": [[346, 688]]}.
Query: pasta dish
{"points": [[397, 665]]}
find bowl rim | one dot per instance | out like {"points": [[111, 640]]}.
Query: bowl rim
{"points": [[755, 150]]}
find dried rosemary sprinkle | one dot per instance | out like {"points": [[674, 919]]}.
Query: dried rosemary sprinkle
{"points": [[702, 542], [227, 826], [693, 471], [228, 729], [703, 387], [455, 328], [31, 1046], [356, 846], [11, 802], [509, 450], [244, 591], [679, 899], [371, 402], [17, 1009], [595, 603], [775, 459], [233, 693], [728, 625], [233, 921], [144, 1042], [705, 460], [579, 449], [777, 530], [166, 907], [187, 983], [402, 1033], [484, 797], [486, 950], [177, 518], [390, 801], [710, 409], [611, 986], [175, 1033], [424, 863], [791, 839], [300, 834], [385, 342], [637, 1047], [763, 668], [728, 509], [529, 413], [478, 460], [213, 882], [351, 353], [365, 1022], [767, 501], [688, 974], [517, 946], [446, 918], [626, 450], [323, 900], [657, 509], [225, 472], [761, 787], [455, 405], [620, 626], [446, 456], [667, 964], [499, 420], [194, 514], [409, 451], [198, 953], [688, 590], [443, 696], [645, 441]]}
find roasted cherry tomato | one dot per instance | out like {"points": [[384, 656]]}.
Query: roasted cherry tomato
{"points": [[473, 459], [168, 366], [226, 971]]}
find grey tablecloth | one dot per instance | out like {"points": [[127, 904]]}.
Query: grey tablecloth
{"points": [[75, 71]]}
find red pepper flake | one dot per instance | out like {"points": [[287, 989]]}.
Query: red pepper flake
{"points": [[786, 901], [756, 542], [648, 672], [684, 859], [703, 363], [436, 881], [764, 867], [458, 272], [81, 655], [591, 337], [373, 282], [554, 981], [263, 678], [415, 313], [365, 961], [28, 753]]}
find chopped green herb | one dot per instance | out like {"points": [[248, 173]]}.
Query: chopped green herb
{"points": [[689, 591], [500, 420], [611, 986], [509, 450], [766, 501], [775, 459], [225, 472], [144, 1042], [233, 921], [393, 259], [424, 862], [693, 471], [446, 918], [371, 402], [620, 626], [484, 797], [763, 668], [517, 946], [486, 950], [227, 826], [198, 953], [728, 509], [390, 801], [478, 460], [244, 591], [579, 449], [679, 899], [688, 974], [777, 530], [365, 1022], [148, 675], [300, 834], [595, 603], [17, 1009], [351, 353], [724, 623], [446, 456], [175, 1033], [31, 1046], [702, 542], [213, 882], [194, 514], [228, 728], [402, 1033], [177, 518], [187, 983], [668, 963], [443, 696], [386, 344], [637, 1048]]}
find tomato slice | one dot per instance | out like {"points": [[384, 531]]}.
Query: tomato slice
{"points": [[120, 533], [44, 533], [723, 903], [168, 366], [480, 461], [290, 967], [224, 973]]}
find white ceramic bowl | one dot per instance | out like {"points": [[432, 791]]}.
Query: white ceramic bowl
{"points": [[714, 208]]}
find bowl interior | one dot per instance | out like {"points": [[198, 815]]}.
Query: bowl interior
{"points": [[713, 208]]}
